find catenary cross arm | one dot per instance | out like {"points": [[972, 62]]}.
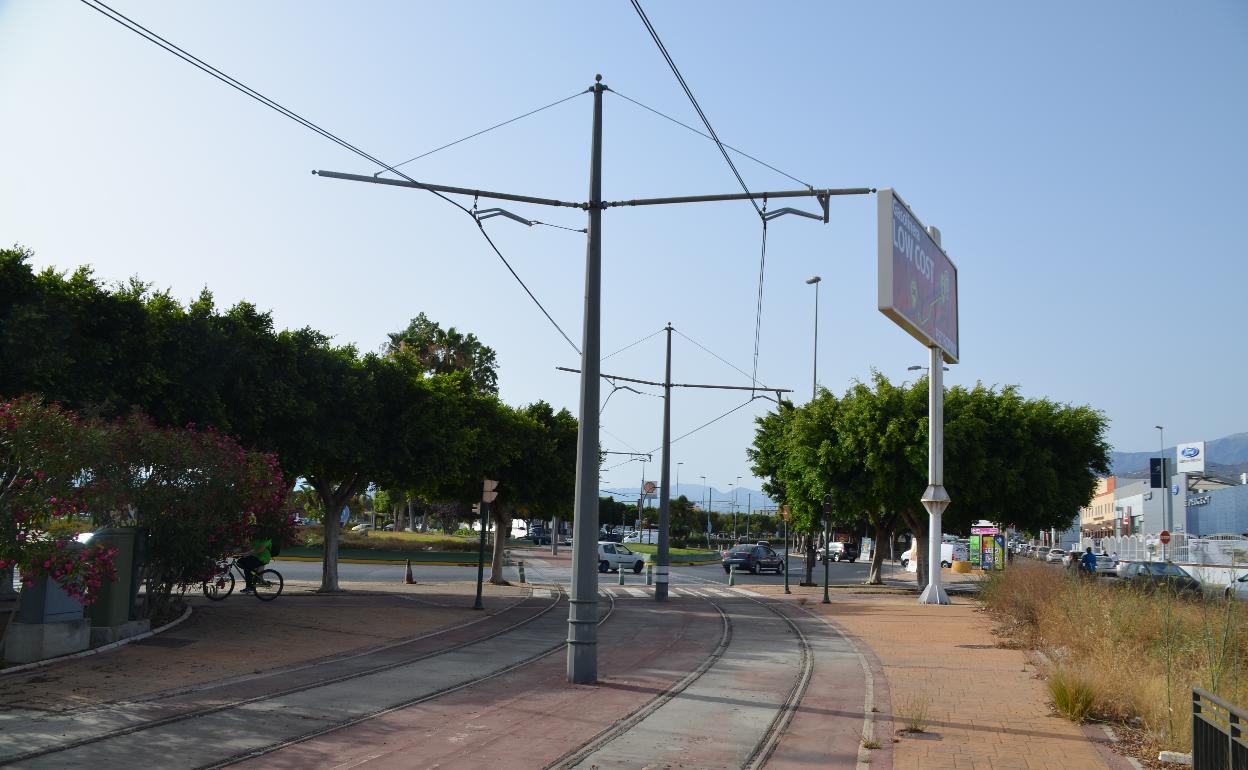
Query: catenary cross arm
{"points": [[820, 194], [679, 384]]}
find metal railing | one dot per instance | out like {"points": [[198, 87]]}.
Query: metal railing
{"points": [[1218, 739]]}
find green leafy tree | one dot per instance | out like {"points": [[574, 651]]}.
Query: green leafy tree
{"points": [[444, 351]]}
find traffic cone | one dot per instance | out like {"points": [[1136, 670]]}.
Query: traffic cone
{"points": [[408, 578]]}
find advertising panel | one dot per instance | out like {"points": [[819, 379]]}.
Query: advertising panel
{"points": [[918, 283], [1191, 457]]}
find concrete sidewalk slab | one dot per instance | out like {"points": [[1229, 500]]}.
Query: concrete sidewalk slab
{"points": [[986, 709]]}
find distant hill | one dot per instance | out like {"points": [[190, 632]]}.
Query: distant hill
{"points": [[1229, 451]]}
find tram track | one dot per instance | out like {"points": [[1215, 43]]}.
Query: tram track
{"points": [[767, 741], [239, 703]]}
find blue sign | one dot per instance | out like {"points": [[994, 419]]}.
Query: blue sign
{"points": [[1190, 451], [1174, 490]]}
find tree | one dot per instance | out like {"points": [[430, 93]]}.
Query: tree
{"points": [[444, 351]]}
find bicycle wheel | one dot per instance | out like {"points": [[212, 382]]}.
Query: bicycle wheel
{"points": [[269, 585], [220, 586]]}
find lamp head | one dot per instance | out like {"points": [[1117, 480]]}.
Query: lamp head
{"points": [[813, 279]]}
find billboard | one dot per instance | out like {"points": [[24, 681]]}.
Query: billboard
{"points": [[1191, 457], [918, 283]]}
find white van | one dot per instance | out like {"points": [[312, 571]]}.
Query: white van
{"points": [[949, 553]]}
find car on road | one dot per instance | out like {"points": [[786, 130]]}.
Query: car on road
{"points": [[361, 527], [1040, 553], [1055, 556], [753, 559], [1238, 589], [1151, 575], [840, 552], [613, 557]]}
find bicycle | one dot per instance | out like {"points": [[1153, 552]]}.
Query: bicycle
{"points": [[268, 584]]}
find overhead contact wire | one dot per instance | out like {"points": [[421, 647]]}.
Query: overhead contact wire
{"points": [[145, 33]]}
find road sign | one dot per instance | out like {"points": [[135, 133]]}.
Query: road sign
{"points": [[1164, 537], [489, 485], [784, 512], [649, 487], [489, 497]]}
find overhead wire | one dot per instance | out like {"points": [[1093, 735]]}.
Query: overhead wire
{"points": [[713, 354], [154, 38], [687, 434], [634, 344], [742, 153], [487, 130], [671, 63]]}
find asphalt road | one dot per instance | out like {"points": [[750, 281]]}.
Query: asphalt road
{"points": [[839, 573]]}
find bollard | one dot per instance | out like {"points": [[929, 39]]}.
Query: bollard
{"points": [[649, 573], [732, 574], [408, 578], [620, 569], [520, 564]]}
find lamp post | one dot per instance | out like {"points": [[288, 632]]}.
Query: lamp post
{"points": [[814, 369], [736, 486], [708, 511], [1161, 438], [678, 478]]}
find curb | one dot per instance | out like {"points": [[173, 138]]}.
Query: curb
{"points": [[97, 650]]}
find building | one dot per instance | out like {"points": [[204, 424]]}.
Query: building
{"points": [[1097, 519]]}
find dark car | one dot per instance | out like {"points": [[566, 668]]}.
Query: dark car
{"points": [[840, 552], [754, 559], [611, 537], [1151, 575]]}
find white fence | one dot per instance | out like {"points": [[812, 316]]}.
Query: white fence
{"points": [[1182, 549]]}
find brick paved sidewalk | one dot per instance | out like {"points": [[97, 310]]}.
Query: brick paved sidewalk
{"points": [[986, 710]]}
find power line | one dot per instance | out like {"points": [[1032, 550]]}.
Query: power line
{"points": [[692, 100], [742, 153], [634, 344], [150, 36], [721, 359], [487, 130], [706, 424], [758, 317]]}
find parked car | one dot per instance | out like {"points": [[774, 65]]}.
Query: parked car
{"points": [[1151, 575], [1106, 565], [613, 557], [649, 536], [948, 553], [840, 552], [1055, 556], [1238, 589], [610, 537], [754, 559], [361, 527], [1041, 553]]}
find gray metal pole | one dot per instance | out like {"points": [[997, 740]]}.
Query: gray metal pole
{"points": [[786, 557], [665, 474], [935, 498], [814, 369], [583, 606], [485, 517], [827, 547]]}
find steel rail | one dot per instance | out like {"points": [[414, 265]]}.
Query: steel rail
{"points": [[209, 710]]}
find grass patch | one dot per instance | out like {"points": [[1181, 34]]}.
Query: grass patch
{"points": [[912, 713], [1073, 695], [653, 548], [870, 744], [1122, 655], [314, 537]]}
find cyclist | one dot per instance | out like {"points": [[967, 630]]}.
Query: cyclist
{"points": [[255, 559], [1087, 563]]}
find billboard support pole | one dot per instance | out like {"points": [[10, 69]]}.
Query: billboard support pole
{"points": [[935, 498]]}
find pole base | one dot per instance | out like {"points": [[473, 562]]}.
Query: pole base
{"points": [[934, 594]]}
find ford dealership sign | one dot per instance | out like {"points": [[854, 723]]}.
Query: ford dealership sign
{"points": [[1191, 457]]}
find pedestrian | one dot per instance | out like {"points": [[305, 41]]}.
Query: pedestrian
{"points": [[1087, 563]]}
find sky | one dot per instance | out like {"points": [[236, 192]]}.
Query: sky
{"points": [[1084, 163]]}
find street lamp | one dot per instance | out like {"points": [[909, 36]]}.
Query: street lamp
{"points": [[814, 369], [678, 478], [1161, 438], [708, 511], [735, 487]]}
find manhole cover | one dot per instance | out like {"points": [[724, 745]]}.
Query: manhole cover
{"points": [[167, 641]]}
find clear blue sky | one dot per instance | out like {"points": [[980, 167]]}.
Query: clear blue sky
{"points": [[1084, 161]]}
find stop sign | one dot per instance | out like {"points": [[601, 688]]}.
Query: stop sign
{"points": [[1164, 537]]}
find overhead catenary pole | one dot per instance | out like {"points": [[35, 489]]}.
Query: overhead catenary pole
{"points": [[582, 663], [665, 474], [582, 615]]}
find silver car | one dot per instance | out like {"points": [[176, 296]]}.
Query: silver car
{"points": [[1054, 556]]}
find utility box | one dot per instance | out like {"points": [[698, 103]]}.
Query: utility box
{"points": [[47, 602], [115, 600]]}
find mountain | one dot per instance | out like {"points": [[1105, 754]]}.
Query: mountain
{"points": [[1230, 450], [720, 501]]}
